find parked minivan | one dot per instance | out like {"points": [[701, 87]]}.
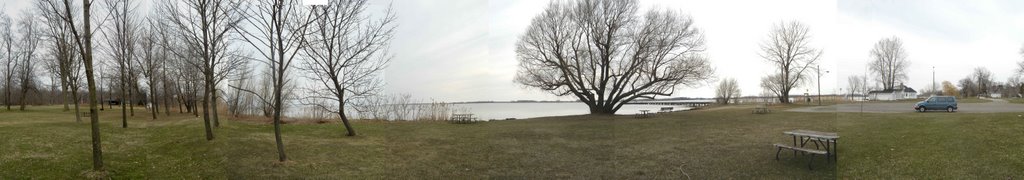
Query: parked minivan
{"points": [[947, 103]]}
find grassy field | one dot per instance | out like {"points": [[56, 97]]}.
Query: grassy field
{"points": [[725, 141]]}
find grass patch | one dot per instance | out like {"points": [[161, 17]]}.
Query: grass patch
{"points": [[1015, 100], [722, 141]]}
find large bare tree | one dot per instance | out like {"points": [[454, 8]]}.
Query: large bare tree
{"points": [[205, 26], [277, 29], [346, 52], [788, 49], [606, 54], [889, 64], [83, 39], [63, 50]]}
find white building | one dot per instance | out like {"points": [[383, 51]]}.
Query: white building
{"points": [[897, 93]]}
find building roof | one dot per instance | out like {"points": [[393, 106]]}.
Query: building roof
{"points": [[899, 88]]}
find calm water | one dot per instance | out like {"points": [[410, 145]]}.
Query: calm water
{"points": [[501, 111]]}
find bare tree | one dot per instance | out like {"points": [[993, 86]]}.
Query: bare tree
{"points": [[278, 27], [150, 60], [346, 51], [788, 49], [727, 91], [967, 87], [890, 62], [63, 50], [857, 85], [121, 38], [983, 81], [204, 26], [83, 40], [238, 101], [29, 38], [605, 54]]}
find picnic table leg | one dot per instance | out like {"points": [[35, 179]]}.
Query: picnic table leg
{"points": [[794, 145], [777, 153], [835, 150]]}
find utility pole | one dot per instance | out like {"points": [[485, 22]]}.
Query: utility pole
{"points": [[934, 89]]}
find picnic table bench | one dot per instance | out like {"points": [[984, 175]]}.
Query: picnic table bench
{"points": [[665, 109], [462, 118], [820, 139], [644, 114]]}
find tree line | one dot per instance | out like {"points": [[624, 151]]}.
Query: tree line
{"points": [[194, 56]]}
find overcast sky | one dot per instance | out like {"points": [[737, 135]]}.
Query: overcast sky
{"points": [[463, 50]]}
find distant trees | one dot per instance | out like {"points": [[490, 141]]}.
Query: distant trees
{"points": [[788, 50], [10, 62], [857, 85], [727, 90], [948, 89], [605, 54], [978, 83], [346, 51], [889, 64]]}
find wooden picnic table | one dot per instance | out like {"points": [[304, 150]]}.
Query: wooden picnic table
{"points": [[826, 139], [644, 113]]}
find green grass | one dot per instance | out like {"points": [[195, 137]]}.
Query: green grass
{"points": [[1015, 100], [931, 146], [728, 141]]}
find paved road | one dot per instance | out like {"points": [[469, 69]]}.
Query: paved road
{"points": [[997, 105]]}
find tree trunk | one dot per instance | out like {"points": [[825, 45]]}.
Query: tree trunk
{"points": [[24, 94], [154, 105], [64, 92], [131, 98], [213, 105], [78, 115], [124, 96], [341, 113], [277, 120], [206, 112], [97, 152]]}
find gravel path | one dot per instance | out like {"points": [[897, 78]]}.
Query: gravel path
{"points": [[997, 105]]}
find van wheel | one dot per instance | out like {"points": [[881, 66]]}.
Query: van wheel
{"points": [[921, 109], [949, 109]]}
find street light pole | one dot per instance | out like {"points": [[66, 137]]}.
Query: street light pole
{"points": [[933, 81]]}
